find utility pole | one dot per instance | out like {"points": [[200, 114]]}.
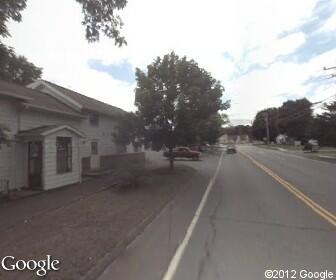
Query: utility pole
{"points": [[267, 128], [332, 75]]}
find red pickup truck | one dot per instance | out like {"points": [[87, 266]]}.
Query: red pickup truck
{"points": [[183, 152]]}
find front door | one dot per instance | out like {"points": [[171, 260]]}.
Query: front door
{"points": [[35, 164]]}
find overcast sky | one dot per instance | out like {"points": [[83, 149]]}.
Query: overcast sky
{"points": [[263, 51]]}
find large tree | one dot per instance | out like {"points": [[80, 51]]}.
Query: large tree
{"points": [[260, 124], [295, 119], [100, 18], [324, 125], [175, 99], [16, 68], [129, 130]]}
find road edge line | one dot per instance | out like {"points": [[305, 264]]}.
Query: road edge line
{"points": [[175, 260], [322, 212]]}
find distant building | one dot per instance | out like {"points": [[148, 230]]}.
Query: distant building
{"points": [[283, 139]]}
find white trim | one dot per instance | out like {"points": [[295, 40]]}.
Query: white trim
{"points": [[175, 261], [59, 95], [53, 130]]}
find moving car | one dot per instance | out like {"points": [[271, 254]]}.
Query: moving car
{"points": [[231, 149], [183, 152]]}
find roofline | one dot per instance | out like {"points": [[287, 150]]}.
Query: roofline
{"points": [[28, 106], [53, 130], [13, 95], [83, 107], [59, 93]]}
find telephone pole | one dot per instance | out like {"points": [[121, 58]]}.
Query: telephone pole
{"points": [[332, 75], [267, 128]]}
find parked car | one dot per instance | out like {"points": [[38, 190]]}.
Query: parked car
{"points": [[231, 149], [183, 152], [311, 146]]}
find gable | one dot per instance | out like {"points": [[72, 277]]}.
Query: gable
{"points": [[61, 97]]}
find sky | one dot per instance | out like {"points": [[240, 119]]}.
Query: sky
{"points": [[264, 52]]}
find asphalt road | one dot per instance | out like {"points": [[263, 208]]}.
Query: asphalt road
{"points": [[250, 223]]}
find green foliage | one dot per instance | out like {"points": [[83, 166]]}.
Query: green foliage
{"points": [[129, 130], [16, 68], [100, 17], [10, 10], [237, 130], [324, 125], [211, 128], [178, 102], [13, 67], [295, 118], [259, 124]]}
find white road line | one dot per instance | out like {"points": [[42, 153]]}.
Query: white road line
{"points": [[174, 262]]}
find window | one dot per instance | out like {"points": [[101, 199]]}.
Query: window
{"points": [[94, 119], [94, 148], [64, 154]]}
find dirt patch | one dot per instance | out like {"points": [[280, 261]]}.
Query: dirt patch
{"points": [[83, 233]]}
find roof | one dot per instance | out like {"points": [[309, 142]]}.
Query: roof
{"points": [[45, 130], [35, 99], [88, 103]]}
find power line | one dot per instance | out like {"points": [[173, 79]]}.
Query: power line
{"points": [[298, 114]]}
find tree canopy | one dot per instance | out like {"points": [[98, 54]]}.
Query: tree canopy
{"points": [[259, 124], [324, 125], [100, 18], [16, 68], [293, 118], [178, 102]]}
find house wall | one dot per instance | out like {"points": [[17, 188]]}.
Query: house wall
{"points": [[103, 134], [11, 156], [50, 177], [30, 119], [14, 158], [9, 114]]}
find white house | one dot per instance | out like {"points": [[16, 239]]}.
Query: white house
{"points": [[55, 135]]}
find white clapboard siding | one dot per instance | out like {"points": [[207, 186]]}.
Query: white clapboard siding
{"points": [[51, 179], [103, 134], [32, 119], [8, 118]]}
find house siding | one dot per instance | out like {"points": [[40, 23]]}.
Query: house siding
{"points": [[103, 134], [10, 154], [50, 178], [9, 115], [14, 158], [31, 119]]}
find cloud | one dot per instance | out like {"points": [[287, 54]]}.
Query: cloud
{"points": [[122, 71], [257, 49]]}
